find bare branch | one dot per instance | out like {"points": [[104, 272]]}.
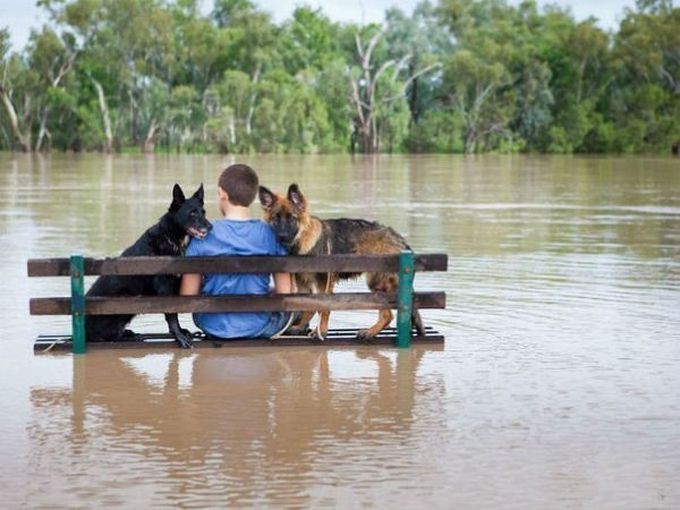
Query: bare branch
{"points": [[106, 119], [409, 80], [386, 65], [360, 48], [481, 97], [357, 99], [401, 64], [671, 80], [372, 44]]}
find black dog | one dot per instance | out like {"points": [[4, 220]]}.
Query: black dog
{"points": [[167, 237]]}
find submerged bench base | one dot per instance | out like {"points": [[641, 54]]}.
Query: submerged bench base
{"points": [[336, 337]]}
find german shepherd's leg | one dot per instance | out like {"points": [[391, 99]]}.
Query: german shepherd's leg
{"points": [[384, 319], [379, 282], [169, 286], [326, 284], [301, 325]]}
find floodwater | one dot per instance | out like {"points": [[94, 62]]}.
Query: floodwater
{"points": [[558, 387]]}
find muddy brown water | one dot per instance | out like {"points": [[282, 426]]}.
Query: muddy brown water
{"points": [[558, 387]]}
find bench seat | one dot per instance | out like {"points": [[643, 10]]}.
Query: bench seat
{"points": [[336, 337]]}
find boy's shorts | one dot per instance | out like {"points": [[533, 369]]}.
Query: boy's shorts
{"points": [[277, 324]]}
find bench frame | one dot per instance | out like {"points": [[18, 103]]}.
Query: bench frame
{"points": [[78, 306]]}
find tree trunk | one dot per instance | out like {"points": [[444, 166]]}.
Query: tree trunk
{"points": [[413, 97], [581, 73], [150, 140], [253, 97], [470, 137], [24, 139], [232, 131], [5, 136], [133, 118], [106, 119], [43, 129]]}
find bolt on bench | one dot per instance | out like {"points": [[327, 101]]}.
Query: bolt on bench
{"points": [[78, 306]]}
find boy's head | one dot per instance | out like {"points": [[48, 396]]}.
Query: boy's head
{"points": [[238, 184]]}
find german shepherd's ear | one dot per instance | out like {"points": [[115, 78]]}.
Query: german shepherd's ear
{"points": [[199, 193], [267, 198], [178, 197], [296, 197]]}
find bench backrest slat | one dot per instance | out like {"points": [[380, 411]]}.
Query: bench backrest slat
{"points": [[257, 264], [186, 304]]}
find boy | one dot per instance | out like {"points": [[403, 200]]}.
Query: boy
{"points": [[237, 234]]}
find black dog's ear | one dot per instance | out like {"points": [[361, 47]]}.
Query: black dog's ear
{"points": [[296, 196], [177, 197], [267, 198], [199, 193]]}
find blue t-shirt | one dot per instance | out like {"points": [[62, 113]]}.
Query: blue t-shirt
{"points": [[235, 237]]}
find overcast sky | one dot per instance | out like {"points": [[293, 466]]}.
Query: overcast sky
{"points": [[22, 15]]}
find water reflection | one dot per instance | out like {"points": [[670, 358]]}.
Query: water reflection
{"points": [[236, 426]]}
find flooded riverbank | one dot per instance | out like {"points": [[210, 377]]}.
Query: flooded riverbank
{"points": [[557, 387]]}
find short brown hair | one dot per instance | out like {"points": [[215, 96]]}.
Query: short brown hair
{"points": [[240, 182]]}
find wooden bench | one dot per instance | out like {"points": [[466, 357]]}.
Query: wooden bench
{"points": [[78, 306]]}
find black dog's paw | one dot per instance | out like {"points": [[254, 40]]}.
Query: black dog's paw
{"points": [[184, 340], [130, 336]]}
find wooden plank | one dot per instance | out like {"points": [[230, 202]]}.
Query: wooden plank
{"points": [[186, 304], [256, 264], [336, 338], [390, 331]]}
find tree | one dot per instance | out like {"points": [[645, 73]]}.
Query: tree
{"points": [[461, 76], [370, 97], [422, 36], [17, 87], [645, 102]]}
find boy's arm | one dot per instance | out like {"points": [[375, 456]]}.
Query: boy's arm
{"points": [[191, 285], [283, 283]]}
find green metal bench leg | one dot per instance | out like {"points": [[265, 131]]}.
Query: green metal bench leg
{"points": [[77, 268], [405, 298]]}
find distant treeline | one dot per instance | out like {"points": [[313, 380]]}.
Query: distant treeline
{"points": [[459, 76]]}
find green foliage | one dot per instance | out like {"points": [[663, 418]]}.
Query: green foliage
{"points": [[438, 131], [458, 76]]}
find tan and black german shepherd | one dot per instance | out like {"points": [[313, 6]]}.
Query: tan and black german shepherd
{"points": [[304, 234]]}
